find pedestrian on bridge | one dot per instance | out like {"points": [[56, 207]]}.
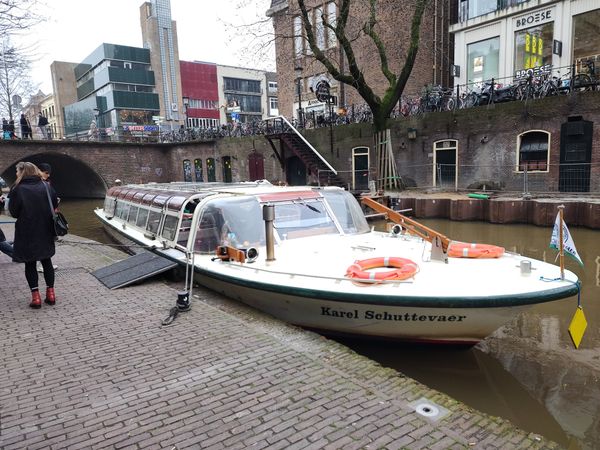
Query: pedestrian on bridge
{"points": [[34, 228]]}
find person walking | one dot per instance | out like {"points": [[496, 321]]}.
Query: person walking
{"points": [[42, 124], [34, 229], [25, 127]]}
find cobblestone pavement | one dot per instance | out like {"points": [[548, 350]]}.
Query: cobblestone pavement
{"points": [[98, 371]]}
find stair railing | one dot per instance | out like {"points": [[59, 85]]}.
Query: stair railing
{"points": [[314, 150]]}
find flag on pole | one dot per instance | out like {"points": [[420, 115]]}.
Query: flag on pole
{"points": [[568, 243]]}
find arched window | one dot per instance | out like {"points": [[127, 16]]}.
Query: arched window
{"points": [[533, 151], [226, 162], [198, 170], [187, 170], [210, 169]]}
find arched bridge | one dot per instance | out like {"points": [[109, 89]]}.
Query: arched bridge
{"points": [[87, 169]]}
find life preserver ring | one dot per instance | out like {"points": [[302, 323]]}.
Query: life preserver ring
{"points": [[467, 250], [404, 268]]}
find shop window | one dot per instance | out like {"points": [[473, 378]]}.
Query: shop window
{"points": [[533, 47], [586, 37], [483, 59], [533, 151]]}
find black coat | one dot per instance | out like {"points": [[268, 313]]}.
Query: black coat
{"points": [[34, 228]]}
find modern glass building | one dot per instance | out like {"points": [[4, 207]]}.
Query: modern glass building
{"points": [[115, 90]]}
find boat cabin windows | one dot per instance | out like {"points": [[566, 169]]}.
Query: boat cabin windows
{"points": [[170, 227], [153, 221], [142, 218], [133, 212]]}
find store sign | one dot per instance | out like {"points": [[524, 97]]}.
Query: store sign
{"points": [[536, 71], [535, 18], [322, 91]]}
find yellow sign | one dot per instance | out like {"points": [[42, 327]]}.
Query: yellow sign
{"points": [[578, 326]]}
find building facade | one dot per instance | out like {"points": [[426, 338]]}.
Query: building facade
{"points": [[242, 94], [115, 90], [504, 40], [64, 88], [200, 94], [159, 34], [299, 73]]}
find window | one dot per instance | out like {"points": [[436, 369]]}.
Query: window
{"points": [[482, 60], [533, 151], [481, 7], [170, 227], [533, 47], [332, 19], [298, 37], [226, 162], [586, 36], [319, 28], [198, 170], [241, 85], [272, 85], [187, 170], [210, 169], [273, 103]]}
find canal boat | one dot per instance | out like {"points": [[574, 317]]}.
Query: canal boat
{"points": [[308, 256]]}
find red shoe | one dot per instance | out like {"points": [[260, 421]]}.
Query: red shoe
{"points": [[50, 297], [36, 300]]}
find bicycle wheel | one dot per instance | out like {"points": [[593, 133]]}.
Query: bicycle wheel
{"points": [[450, 104], [582, 82], [470, 100]]}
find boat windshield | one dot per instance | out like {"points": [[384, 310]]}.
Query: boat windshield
{"points": [[347, 211], [300, 218], [235, 221]]}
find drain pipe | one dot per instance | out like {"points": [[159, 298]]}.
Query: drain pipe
{"points": [[269, 217]]}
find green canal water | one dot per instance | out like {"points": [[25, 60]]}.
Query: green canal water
{"points": [[528, 372]]}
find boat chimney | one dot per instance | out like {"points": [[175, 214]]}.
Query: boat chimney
{"points": [[269, 217]]}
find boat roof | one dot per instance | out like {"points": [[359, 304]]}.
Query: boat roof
{"points": [[174, 195]]}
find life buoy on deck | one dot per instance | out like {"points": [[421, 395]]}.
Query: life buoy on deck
{"points": [[404, 268], [467, 250]]}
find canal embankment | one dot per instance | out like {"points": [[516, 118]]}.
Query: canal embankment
{"points": [[98, 370], [581, 211]]}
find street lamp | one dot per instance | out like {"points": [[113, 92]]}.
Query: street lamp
{"points": [[298, 71], [186, 104]]}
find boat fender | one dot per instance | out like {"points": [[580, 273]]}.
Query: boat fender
{"points": [[467, 250]]}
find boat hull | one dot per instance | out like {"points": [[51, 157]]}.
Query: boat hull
{"points": [[404, 323]]}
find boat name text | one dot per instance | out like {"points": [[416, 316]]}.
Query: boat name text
{"points": [[374, 315]]}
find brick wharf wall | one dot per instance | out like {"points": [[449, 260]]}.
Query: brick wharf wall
{"points": [[85, 169], [394, 30], [478, 162]]}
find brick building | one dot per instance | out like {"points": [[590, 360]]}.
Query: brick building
{"points": [[298, 86]]}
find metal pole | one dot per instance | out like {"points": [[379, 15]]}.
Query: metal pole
{"points": [[300, 118]]}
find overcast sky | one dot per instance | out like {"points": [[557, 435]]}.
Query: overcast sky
{"points": [[77, 27]]}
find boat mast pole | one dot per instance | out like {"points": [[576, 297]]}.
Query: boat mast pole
{"points": [[561, 251]]}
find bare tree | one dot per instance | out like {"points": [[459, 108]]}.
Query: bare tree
{"points": [[15, 82], [17, 15], [348, 70], [353, 75]]}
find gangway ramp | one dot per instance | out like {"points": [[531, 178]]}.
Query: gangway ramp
{"points": [[133, 269]]}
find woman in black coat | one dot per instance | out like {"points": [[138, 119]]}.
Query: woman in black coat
{"points": [[34, 228]]}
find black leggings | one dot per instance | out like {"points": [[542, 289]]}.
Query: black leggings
{"points": [[32, 275]]}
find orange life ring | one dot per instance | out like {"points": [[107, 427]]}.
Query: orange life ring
{"points": [[404, 268], [466, 250]]}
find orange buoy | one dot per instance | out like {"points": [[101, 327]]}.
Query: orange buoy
{"points": [[467, 250], [404, 268]]}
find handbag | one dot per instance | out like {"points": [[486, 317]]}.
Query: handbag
{"points": [[61, 225]]}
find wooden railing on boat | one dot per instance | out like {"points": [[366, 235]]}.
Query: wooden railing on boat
{"points": [[411, 225]]}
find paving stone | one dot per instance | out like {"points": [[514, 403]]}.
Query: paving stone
{"points": [[98, 371]]}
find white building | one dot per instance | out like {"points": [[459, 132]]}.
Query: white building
{"points": [[502, 38], [242, 94]]}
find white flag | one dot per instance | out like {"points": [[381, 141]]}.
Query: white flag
{"points": [[568, 243]]}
